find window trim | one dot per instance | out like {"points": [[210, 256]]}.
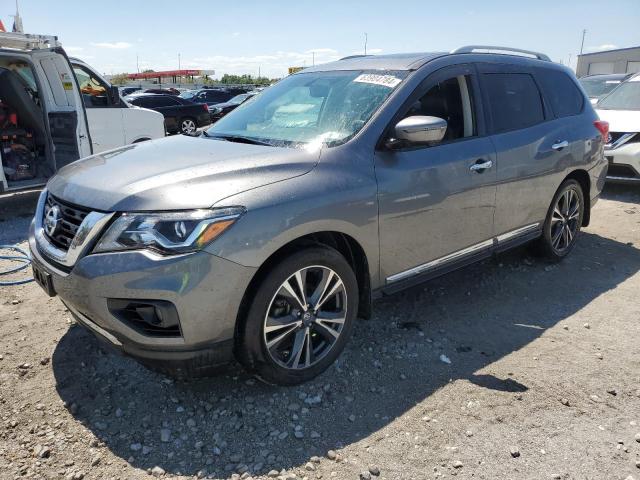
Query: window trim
{"points": [[431, 79], [510, 69]]}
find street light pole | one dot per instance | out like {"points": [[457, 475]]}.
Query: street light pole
{"points": [[584, 32], [366, 38]]}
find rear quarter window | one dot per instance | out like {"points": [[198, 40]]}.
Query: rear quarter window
{"points": [[514, 101], [564, 96]]}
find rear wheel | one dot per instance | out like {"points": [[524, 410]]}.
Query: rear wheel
{"points": [[188, 126], [300, 318], [563, 222]]}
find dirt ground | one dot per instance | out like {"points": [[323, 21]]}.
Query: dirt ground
{"points": [[543, 383]]}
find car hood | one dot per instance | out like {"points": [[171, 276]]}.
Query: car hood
{"points": [[176, 173], [626, 121]]}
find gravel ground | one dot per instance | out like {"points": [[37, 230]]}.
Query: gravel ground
{"points": [[507, 369]]}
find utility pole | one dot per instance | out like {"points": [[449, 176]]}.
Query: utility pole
{"points": [[178, 61], [313, 57], [584, 32], [137, 63], [17, 20], [366, 38]]}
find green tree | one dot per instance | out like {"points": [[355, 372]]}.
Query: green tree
{"points": [[119, 79]]}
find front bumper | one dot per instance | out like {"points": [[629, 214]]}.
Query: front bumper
{"points": [[624, 163], [205, 290]]}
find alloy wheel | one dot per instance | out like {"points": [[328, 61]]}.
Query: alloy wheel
{"points": [[188, 126], [305, 318], [564, 220]]}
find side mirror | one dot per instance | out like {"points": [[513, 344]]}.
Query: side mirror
{"points": [[419, 130], [114, 95]]}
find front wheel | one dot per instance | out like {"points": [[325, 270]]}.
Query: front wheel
{"points": [[563, 222], [300, 318], [188, 126]]}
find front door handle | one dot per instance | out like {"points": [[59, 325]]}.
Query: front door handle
{"points": [[481, 165], [560, 145]]}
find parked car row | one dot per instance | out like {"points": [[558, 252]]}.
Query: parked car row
{"points": [[180, 115], [186, 111]]}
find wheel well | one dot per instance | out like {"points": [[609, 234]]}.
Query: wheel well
{"points": [[582, 177], [348, 247]]}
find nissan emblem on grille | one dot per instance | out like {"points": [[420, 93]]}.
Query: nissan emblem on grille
{"points": [[52, 220]]}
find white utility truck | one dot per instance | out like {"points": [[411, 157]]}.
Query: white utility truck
{"points": [[55, 110]]}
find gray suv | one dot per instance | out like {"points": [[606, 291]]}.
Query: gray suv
{"points": [[264, 238]]}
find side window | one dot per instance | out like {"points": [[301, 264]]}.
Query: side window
{"points": [[450, 100], [163, 101], [94, 91], [514, 101], [216, 96], [561, 91], [143, 102]]}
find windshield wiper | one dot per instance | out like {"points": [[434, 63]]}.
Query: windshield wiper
{"points": [[241, 139]]}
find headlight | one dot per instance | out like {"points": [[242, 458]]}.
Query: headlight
{"points": [[215, 110], [170, 232]]}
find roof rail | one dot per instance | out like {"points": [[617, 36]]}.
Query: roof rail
{"points": [[349, 57], [475, 48]]}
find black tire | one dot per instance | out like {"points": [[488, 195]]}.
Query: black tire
{"points": [[547, 245], [252, 345]]}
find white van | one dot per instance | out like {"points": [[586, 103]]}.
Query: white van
{"points": [[55, 110]]}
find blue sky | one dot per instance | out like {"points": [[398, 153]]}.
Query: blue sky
{"points": [[241, 37]]}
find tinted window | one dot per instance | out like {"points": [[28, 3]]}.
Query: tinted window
{"points": [[164, 101], [563, 94], [217, 96], [514, 101], [141, 102]]}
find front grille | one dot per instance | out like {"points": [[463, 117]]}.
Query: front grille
{"points": [[69, 219]]}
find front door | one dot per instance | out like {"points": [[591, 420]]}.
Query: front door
{"points": [[437, 202], [105, 119]]}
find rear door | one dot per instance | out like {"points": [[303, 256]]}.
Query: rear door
{"points": [[531, 146], [66, 114], [436, 202]]}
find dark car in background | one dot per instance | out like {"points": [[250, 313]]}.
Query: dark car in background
{"points": [[180, 115], [213, 96], [597, 86], [219, 110]]}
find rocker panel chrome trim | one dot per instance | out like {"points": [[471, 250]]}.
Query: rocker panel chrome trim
{"points": [[504, 237]]}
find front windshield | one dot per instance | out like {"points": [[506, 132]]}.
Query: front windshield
{"points": [[321, 107], [625, 97], [598, 88]]}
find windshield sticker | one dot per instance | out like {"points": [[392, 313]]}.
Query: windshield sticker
{"points": [[385, 80]]}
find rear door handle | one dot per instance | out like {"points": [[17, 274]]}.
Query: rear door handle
{"points": [[481, 165], [560, 145]]}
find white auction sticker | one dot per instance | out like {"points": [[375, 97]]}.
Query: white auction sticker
{"points": [[375, 79]]}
